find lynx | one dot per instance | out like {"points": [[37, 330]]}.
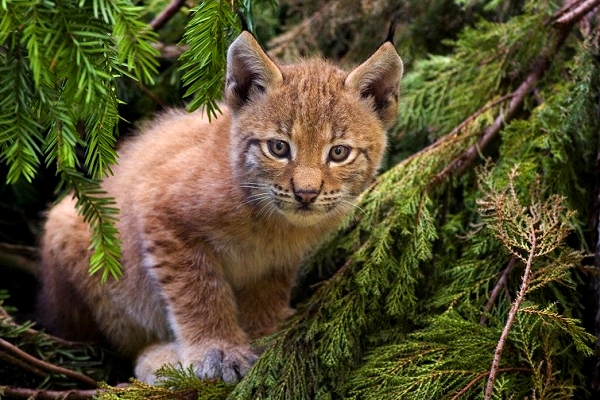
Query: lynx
{"points": [[215, 216]]}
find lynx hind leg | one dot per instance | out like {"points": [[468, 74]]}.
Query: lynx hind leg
{"points": [[62, 303], [213, 362]]}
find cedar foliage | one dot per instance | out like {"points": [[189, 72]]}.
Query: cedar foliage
{"points": [[460, 275]]}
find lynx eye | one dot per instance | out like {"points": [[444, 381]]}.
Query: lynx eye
{"points": [[279, 148], [339, 153]]}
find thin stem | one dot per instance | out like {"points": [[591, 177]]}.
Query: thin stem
{"points": [[47, 366], [512, 314], [165, 15], [575, 11], [483, 375], [500, 285], [25, 393]]}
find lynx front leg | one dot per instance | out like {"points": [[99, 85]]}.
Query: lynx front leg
{"points": [[203, 316], [264, 304]]}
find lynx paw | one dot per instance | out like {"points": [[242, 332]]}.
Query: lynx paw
{"points": [[214, 361], [152, 358], [229, 364]]}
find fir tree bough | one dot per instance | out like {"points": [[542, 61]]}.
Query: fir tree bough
{"points": [[59, 66]]}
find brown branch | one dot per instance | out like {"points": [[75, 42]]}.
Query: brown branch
{"points": [[47, 366], [483, 375], [7, 319], [165, 15], [170, 51], [512, 314], [22, 258], [575, 11], [25, 393], [458, 128], [463, 162], [497, 289], [12, 360]]}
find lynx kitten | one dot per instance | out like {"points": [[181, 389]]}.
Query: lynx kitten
{"points": [[216, 216]]}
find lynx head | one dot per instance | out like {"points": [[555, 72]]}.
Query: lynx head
{"points": [[308, 138]]}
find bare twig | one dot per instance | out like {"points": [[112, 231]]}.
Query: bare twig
{"points": [[170, 51], [483, 375], [165, 15], [19, 257], [500, 285], [12, 360], [25, 393], [47, 366], [512, 314], [575, 11]]}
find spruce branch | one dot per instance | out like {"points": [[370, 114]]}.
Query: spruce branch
{"points": [[50, 368], [12, 360], [20, 257]]}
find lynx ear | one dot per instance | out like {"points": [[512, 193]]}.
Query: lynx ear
{"points": [[378, 78], [250, 72]]}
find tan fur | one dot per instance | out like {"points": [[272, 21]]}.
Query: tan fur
{"points": [[213, 224]]}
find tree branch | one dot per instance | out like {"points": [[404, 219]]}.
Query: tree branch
{"points": [[41, 394], [483, 375], [500, 285], [165, 15], [12, 360], [463, 162], [574, 11], [47, 366], [512, 314], [22, 258]]}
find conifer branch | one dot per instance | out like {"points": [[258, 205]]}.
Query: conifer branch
{"points": [[463, 162], [19, 257], [17, 362], [47, 366]]}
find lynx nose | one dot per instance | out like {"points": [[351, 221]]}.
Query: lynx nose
{"points": [[306, 196]]}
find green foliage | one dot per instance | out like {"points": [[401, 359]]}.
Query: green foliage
{"points": [[208, 34], [403, 306], [59, 66], [213, 26], [172, 383]]}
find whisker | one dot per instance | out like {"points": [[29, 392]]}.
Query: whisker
{"points": [[356, 206], [256, 198]]}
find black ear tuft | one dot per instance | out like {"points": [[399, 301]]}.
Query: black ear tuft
{"points": [[392, 29]]}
